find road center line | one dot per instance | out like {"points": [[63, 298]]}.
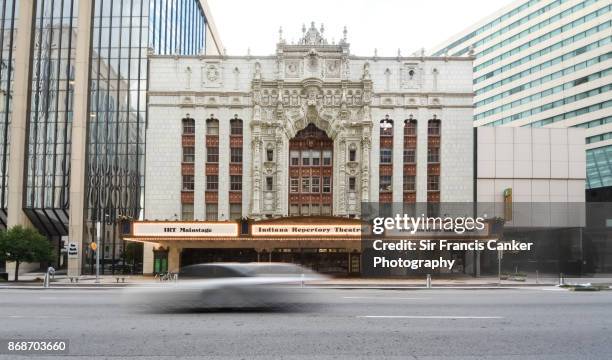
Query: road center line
{"points": [[382, 298], [427, 317]]}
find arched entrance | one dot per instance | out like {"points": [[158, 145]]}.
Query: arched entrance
{"points": [[310, 172]]}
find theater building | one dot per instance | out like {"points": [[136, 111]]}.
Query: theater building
{"points": [[254, 151]]}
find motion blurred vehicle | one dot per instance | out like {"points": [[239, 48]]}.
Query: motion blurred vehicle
{"points": [[230, 286]]}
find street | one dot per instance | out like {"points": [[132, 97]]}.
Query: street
{"points": [[528, 323]]}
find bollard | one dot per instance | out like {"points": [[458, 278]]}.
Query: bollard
{"points": [[537, 277], [46, 280], [561, 279], [302, 280], [428, 281]]}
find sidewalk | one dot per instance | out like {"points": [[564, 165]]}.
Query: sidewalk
{"points": [[34, 280]]}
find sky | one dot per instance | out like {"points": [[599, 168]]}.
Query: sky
{"points": [[385, 25]]}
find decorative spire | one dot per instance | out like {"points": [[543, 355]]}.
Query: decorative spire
{"points": [[313, 36], [280, 35]]}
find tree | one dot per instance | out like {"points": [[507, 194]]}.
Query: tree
{"points": [[21, 244]]}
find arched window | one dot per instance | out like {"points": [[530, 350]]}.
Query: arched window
{"points": [[188, 125], [433, 127], [386, 127], [410, 127], [212, 126], [236, 126]]}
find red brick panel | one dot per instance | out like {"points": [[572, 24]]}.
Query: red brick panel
{"points": [[212, 140], [410, 169], [187, 169], [211, 197], [385, 197], [212, 169], [410, 141], [386, 142], [188, 140], [235, 169], [386, 170], [433, 141], [433, 196], [235, 141], [410, 197], [433, 169], [186, 197], [235, 197]]}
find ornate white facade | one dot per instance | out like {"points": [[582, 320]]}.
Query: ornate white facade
{"points": [[311, 82]]}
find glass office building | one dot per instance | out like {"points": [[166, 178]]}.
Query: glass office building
{"points": [[8, 26], [546, 63], [122, 35]]}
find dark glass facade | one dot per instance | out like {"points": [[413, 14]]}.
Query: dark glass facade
{"points": [[8, 24], [46, 196], [123, 32], [177, 27], [599, 167]]}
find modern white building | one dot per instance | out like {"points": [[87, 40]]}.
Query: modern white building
{"points": [[537, 165], [545, 63]]}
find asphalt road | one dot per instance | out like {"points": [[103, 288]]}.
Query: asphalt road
{"points": [[350, 324]]}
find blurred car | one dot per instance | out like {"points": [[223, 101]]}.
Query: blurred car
{"points": [[229, 285]]}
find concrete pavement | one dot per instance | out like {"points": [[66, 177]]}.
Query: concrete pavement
{"points": [[528, 323]]}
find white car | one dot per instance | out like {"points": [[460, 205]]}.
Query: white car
{"points": [[230, 285]]}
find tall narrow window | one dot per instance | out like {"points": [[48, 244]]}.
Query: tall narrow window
{"points": [[269, 183], [188, 184], [352, 184], [385, 183], [386, 156], [433, 155], [236, 182], [236, 155], [212, 127], [212, 182], [433, 183], [235, 211], [188, 126], [211, 211], [188, 154], [386, 127], [295, 158], [186, 212], [327, 157], [212, 154], [236, 127], [410, 127], [270, 155], [352, 155], [433, 127]]}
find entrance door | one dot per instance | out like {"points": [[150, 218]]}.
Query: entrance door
{"points": [[160, 261]]}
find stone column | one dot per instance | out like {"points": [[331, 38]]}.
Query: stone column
{"points": [[78, 159], [19, 123], [174, 259]]}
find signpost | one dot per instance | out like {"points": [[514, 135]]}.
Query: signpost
{"points": [[94, 247]]}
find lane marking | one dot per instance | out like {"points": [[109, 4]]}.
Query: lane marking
{"points": [[427, 317], [383, 298]]}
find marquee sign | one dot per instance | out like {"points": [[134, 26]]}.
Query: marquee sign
{"points": [[173, 229], [306, 230]]}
